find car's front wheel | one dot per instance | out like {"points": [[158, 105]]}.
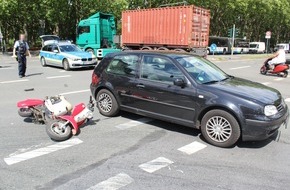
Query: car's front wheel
{"points": [[220, 128], [66, 65], [107, 103]]}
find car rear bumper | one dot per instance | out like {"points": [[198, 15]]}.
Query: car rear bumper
{"points": [[260, 130]]}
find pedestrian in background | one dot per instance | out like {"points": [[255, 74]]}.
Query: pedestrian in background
{"points": [[20, 51]]}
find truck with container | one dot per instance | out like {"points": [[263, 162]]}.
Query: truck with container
{"points": [[179, 28], [96, 34]]}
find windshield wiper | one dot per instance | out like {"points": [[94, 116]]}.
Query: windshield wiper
{"points": [[211, 82]]}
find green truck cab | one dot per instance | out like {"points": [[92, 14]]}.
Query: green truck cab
{"points": [[96, 34]]}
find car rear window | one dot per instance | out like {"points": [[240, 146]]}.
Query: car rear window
{"points": [[123, 65]]}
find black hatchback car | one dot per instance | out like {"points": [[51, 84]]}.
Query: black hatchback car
{"points": [[188, 90]]}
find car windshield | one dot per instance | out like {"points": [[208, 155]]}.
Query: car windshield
{"points": [[69, 48], [202, 70]]}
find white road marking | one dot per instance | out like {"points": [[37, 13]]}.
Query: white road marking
{"points": [[14, 81], [156, 164], [63, 71], [55, 77], [75, 92], [130, 124], [41, 151], [192, 148], [278, 79], [266, 83], [287, 100], [243, 67], [6, 68], [113, 183]]}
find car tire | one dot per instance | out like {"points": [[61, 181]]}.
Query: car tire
{"points": [[43, 62], [65, 65], [220, 128], [107, 103]]}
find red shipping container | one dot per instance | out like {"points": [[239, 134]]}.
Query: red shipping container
{"points": [[185, 27]]}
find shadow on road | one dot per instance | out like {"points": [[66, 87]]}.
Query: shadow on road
{"points": [[196, 133]]}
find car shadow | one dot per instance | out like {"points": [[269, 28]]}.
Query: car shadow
{"points": [[77, 69], [196, 133]]}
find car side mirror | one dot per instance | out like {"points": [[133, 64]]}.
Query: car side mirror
{"points": [[55, 51], [179, 82]]}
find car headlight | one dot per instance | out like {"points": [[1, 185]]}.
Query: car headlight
{"points": [[270, 110]]}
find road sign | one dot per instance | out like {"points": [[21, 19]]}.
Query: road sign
{"points": [[213, 47], [268, 35]]}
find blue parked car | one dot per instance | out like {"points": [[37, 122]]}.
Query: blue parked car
{"points": [[66, 55]]}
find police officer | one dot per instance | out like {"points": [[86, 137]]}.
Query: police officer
{"points": [[22, 49]]}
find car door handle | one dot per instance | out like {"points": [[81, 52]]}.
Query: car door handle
{"points": [[140, 85]]}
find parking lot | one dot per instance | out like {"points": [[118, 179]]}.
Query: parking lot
{"points": [[129, 151]]}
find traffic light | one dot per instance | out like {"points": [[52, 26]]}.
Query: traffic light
{"points": [[230, 33], [237, 32]]}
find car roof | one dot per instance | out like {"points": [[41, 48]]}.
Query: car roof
{"points": [[172, 54], [60, 43]]}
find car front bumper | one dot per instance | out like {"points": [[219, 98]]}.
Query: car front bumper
{"points": [[81, 64], [256, 130]]}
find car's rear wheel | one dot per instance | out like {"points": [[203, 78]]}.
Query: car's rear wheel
{"points": [[43, 62], [220, 128], [107, 103], [65, 64]]}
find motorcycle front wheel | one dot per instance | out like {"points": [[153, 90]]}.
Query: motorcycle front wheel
{"points": [[56, 132]]}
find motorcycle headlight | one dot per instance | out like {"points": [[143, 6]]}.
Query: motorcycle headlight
{"points": [[270, 110]]}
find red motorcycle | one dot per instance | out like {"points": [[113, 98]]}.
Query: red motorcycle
{"points": [[280, 69], [61, 119]]}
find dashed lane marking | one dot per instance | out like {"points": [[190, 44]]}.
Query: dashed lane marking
{"points": [[14, 81], [41, 151], [278, 79], [156, 164], [113, 183], [135, 123], [75, 92], [266, 83], [192, 148], [63, 71], [243, 67], [287, 100], [55, 77]]}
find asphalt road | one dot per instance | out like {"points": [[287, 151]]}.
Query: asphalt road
{"points": [[129, 151]]}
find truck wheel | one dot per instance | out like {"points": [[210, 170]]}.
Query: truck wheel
{"points": [[146, 48], [43, 62], [162, 49], [220, 128], [107, 103], [90, 50], [66, 65], [179, 50]]}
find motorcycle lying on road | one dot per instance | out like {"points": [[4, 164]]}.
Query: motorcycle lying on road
{"points": [[61, 119], [280, 69]]}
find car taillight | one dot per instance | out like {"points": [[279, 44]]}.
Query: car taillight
{"points": [[95, 79]]}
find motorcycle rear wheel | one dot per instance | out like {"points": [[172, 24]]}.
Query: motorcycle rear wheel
{"points": [[24, 112], [54, 131]]}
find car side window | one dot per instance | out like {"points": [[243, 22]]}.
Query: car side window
{"points": [[123, 65], [49, 48], [44, 48], [159, 69]]}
